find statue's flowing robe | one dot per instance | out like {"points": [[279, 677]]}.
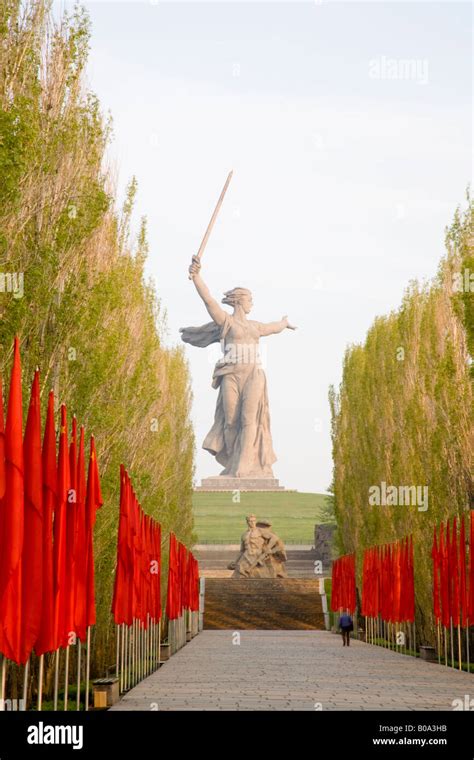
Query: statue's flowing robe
{"points": [[262, 456]]}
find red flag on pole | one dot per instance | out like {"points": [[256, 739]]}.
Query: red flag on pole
{"points": [[81, 542], [471, 569], [3, 479], [60, 537], [13, 517], [3, 476], [411, 582], [172, 597], [71, 533], [453, 564], [444, 575], [32, 555], [462, 574], [120, 602], [435, 557], [46, 641], [93, 503], [183, 562], [157, 575]]}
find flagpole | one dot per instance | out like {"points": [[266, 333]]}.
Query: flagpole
{"points": [[125, 657], [88, 664], [439, 647], [445, 646], [40, 682], [159, 641], [140, 651], [134, 681], [56, 680], [459, 647], [117, 662], [120, 673], [79, 652], [25, 683], [452, 641], [148, 638], [3, 673], [467, 646], [66, 678]]}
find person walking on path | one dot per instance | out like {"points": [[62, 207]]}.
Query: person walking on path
{"points": [[346, 625]]}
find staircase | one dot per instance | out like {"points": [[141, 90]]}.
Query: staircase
{"points": [[263, 603]]}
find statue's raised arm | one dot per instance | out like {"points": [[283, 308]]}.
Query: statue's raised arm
{"points": [[215, 311]]}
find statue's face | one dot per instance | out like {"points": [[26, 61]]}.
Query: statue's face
{"points": [[251, 521], [246, 303]]}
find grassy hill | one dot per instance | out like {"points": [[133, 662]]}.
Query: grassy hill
{"points": [[293, 515]]}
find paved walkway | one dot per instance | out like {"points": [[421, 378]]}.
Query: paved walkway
{"points": [[294, 670]]}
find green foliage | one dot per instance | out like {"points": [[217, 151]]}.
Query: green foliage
{"points": [[403, 416], [88, 318]]}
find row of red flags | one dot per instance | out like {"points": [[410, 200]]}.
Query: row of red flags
{"points": [[183, 580], [453, 575], [138, 574], [137, 590], [343, 588], [47, 517], [388, 582]]}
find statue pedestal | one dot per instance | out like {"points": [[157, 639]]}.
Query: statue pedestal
{"points": [[224, 483]]}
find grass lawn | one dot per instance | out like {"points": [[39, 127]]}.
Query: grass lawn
{"points": [[293, 515]]}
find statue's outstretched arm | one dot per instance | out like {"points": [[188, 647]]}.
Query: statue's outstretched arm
{"points": [[215, 311], [272, 328]]}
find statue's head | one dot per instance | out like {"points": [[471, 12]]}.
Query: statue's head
{"points": [[239, 297], [251, 521]]}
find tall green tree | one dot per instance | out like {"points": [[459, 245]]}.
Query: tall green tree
{"points": [[87, 315], [403, 416]]}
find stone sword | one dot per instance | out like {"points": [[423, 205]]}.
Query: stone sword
{"points": [[213, 218]]}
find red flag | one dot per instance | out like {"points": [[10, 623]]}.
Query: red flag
{"points": [[157, 574], [135, 601], [60, 538], [46, 640], [120, 602], [411, 582], [195, 586], [71, 533], [172, 598], [453, 565], [435, 557], [444, 575], [13, 518], [32, 556], [81, 543], [397, 560], [471, 569], [183, 561], [3, 476], [3, 479], [93, 503], [462, 574]]}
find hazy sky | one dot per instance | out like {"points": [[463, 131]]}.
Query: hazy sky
{"points": [[348, 126]]}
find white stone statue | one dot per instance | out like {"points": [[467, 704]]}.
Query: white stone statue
{"points": [[240, 438], [262, 553]]}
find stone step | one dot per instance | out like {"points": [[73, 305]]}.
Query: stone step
{"points": [[263, 603]]}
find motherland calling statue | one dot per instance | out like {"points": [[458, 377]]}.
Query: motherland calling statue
{"points": [[262, 553], [240, 438]]}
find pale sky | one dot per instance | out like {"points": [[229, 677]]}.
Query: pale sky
{"points": [[348, 127]]}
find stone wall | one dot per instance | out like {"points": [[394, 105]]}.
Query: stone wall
{"points": [[323, 538]]}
